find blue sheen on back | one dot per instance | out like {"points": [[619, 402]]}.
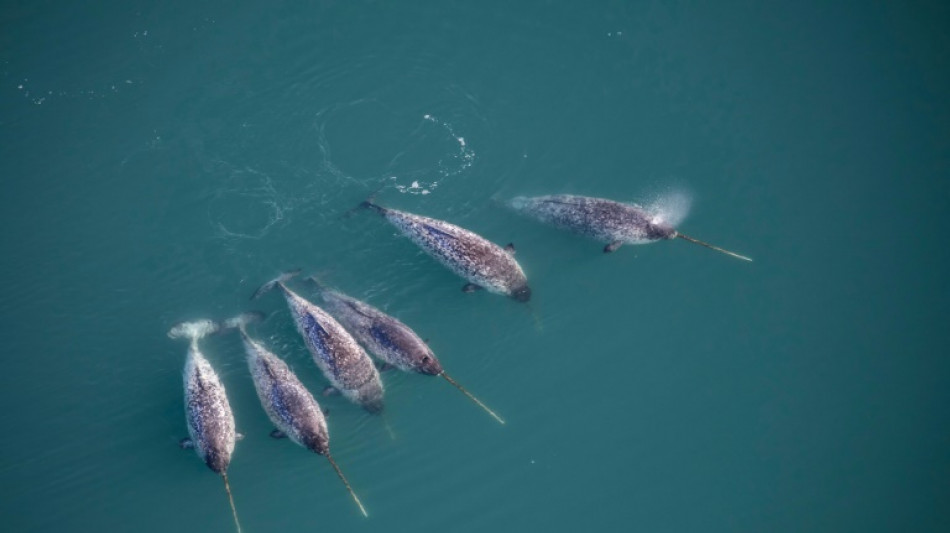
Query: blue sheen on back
{"points": [[383, 338], [444, 239], [319, 339]]}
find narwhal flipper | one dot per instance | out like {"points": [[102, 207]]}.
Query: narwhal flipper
{"points": [[612, 247]]}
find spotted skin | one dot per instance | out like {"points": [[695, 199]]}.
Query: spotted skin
{"points": [[383, 335], [288, 404], [339, 356], [207, 412], [604, 220], [469, 255]]}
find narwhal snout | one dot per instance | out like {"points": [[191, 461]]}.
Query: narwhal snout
{"points": [[522, 294], [373, 407]]}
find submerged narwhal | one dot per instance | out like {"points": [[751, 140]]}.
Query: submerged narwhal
{"points": [[484, 264], [341, 359], [207, 411], [388, 338], [605, 220], [288, 404]]}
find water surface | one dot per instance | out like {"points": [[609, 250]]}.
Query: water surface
{"points": [[161, 162]]}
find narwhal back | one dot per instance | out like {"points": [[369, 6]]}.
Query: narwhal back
{"points": [[468, 254], [598, 218], [383, 335], [207, 411], [288, 404], [340, 357]]}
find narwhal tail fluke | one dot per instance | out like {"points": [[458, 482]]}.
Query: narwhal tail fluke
{"points": [[347, 484], [368, 203], [241, 321], [274, 282], [473, 398], [194, 330], [227, 488], [718, 249]]}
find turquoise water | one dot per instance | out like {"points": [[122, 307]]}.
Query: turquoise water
{"points": [[162, 161]]}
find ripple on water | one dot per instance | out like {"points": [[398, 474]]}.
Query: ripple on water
{"points": [[246, 205], [370, 143]]}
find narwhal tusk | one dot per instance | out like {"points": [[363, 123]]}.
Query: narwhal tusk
{"points": [[473, 398], [227, 488], [718, 249], [347, 483]]}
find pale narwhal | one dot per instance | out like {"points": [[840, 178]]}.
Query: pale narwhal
{"points": [[207, 411], [388, 338], [606, 220], [484, 264], [338, 355], [288, 404]]}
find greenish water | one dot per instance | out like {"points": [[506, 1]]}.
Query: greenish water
{"points": [[161, 161]]}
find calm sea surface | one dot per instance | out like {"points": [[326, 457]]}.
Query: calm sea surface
{"points": [[161, 160]]}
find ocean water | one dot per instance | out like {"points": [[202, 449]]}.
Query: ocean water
{"points": [[162, 160]]}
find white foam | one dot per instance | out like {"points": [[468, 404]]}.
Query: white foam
{"points": [[670, 208], [448, 166]]}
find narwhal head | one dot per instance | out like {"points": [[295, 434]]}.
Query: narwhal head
{"points": [[316, 441], [659, 231], [370, 396], [429, 365], [666, 212], [217, 460], [374, 406], [522, 293]]}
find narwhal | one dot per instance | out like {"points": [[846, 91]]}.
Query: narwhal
{"points": [[605, 220], [484, 264], [388, 338], [207, 411], [340, 357], [288, 404]]}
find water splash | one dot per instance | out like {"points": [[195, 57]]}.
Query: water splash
{"points": [[423, 152], [415, 187], [448, 166], [670, 208], [465, 156]]}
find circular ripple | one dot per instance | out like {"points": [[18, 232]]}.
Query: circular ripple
{"points": [[246, 206]]}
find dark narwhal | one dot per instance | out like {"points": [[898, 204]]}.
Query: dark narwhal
{"points": [[605, 220], [340, 358], [207, 411], [288, 404], [388, 338], [483, 263]]}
